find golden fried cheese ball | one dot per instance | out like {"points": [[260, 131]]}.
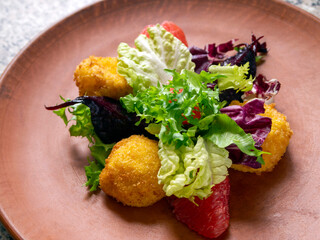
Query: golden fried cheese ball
{"points": [[276, 142], [98, 76], [130, 174]]}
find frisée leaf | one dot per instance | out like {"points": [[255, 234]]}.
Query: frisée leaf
{"points": [[93, 171], [173, 104], [233, 77]]}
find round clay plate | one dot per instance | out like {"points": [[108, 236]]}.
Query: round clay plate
{"points": [[42, 168]]}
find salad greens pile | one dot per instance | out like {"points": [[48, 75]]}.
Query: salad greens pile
{"points": [[171, 109], [181, 108]]}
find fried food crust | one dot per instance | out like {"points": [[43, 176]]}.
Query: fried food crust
{"points": [[98, 76], [130, 174], [276, 142]]}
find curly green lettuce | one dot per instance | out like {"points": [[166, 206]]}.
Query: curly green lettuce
{"points": [[233, 77]]}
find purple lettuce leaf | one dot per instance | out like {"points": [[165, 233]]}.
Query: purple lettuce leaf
{"points": [[248, 119], [263, 88], [210, 54], [218, 52], [248, 53], [244, 55]]}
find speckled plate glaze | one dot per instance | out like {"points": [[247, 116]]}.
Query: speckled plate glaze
{"points": [[41, 167]]}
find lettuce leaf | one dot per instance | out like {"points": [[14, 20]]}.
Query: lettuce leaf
{"points": [[144, 65], [93, 171], [263, 88], [83, 127], [233, 77], [224, 131], [247, 118], [192, 170]]}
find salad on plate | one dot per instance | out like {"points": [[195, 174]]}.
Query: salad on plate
{"points": [[166, 120]]}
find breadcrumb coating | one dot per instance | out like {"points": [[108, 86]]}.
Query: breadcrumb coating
{"points": [[130, 174], [276, 142], [98, 76]]}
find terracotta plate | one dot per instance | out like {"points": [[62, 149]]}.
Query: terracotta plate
{"points": [[41, 167]]}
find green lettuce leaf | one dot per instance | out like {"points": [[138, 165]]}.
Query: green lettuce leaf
{"points": [[225, 131], [93, 171], [192, 170], [233, 77], [82, 127], [144, 65]]}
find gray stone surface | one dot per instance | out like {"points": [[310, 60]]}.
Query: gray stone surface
{"points": [[23, 20]]}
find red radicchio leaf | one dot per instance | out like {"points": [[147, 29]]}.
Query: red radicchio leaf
{"points": [[248, 119], [263, 88]]}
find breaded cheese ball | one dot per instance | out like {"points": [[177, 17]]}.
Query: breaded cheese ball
{"points": [[98, 76], [130, 174], [276, 142]]}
